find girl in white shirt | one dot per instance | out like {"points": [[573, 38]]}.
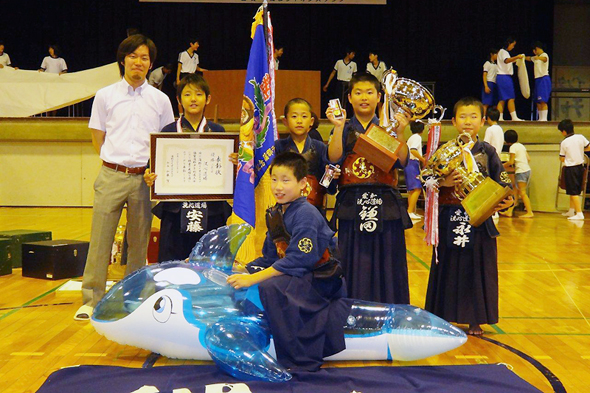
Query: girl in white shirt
{"points": [[542, 79], [53, 63]]}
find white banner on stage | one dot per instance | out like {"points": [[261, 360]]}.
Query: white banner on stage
{"points": [[274, 2], [27, 93]]}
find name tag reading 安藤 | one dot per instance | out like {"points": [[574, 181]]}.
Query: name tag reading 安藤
{"points": [[193, 217]]}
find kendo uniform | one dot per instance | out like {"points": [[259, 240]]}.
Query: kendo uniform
{"points": [[305, 306], [174, 243], [371, 223], [463, 285], [316, 155]]}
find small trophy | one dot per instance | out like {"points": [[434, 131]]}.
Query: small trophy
{"points": [[479, 195], [380, 144]]}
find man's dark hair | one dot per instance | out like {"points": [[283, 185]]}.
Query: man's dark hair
{"points": [[293, 161], [129, 45], [193, 80], [416, 127], [466, 101], [493, 114], [363, 76], [296, 101], [566, 125], [511, 136]]}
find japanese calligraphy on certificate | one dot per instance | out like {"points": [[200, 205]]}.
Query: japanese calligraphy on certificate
{"points": [[193, 166]]}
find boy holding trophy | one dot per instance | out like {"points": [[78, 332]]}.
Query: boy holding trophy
{"points": [[369, 209], [463, 282]]}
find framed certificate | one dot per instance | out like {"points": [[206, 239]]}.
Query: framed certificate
{"points": [[193, 166]]}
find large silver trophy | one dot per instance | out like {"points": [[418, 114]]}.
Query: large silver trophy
{"points": [[380, 144], [479, 195]]}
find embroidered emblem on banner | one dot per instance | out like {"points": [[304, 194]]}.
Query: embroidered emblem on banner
{"points": [[305, 245], [460, 231], [307, 190], [193, 217], [369, 212], [362, 169]]}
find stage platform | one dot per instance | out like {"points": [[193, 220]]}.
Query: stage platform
{"points": [[56, 155]]}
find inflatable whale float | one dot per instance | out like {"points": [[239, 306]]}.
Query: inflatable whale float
{"points": [[188, 311]]}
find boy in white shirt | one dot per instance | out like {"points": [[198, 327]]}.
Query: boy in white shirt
{"points": [[494, 134], [542, 79], [188, 61], [4, 58], [343, 71], [571, 153], [522, 172], [375, 66]]}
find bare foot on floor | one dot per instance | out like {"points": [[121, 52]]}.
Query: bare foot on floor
{"points": [[527, 215], [507, 213], [475, 330]]}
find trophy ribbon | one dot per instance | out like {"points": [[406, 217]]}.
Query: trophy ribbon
{"points": [[468, 159]]}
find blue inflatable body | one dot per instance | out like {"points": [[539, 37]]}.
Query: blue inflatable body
{"points": [[188, 311]]}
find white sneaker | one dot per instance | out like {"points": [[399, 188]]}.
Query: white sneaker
{"points": [[83, 314], [415, 216], [568, 213], [517, 119], [578, 216]]}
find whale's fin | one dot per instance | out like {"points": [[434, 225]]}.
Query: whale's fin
{"points": [[238, 347], [218, 248]]}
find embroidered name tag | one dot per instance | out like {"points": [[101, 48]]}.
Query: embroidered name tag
{"points": [[193, 217], [460, 231], [369, 209]]}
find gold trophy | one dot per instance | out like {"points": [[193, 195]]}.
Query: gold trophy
{"points": [[479, 195], [380, 144]]}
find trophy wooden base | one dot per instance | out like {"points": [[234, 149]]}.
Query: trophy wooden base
{"points": [[481, 201], [379, 147]]}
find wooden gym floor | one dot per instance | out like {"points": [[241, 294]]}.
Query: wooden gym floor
{"points": [[544, 266]]}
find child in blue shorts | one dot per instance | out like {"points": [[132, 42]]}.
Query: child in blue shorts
{"points": [[412, 170], [489, 95], [542, 79], [504, 82]]}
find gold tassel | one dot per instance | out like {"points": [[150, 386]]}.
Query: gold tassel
{"points": [[252, 246]]}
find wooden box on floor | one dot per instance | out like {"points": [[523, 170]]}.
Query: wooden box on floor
{"points": [[20, 236], [54, 259], [5, 257], [153, 246]]}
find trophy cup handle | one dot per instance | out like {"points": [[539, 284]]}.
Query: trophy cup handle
{"points": [[442, 111]]}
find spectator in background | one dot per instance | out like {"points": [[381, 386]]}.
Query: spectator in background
{"points": [[376, 67], [53, 63], [494, 134], [278, 52], [314, 133], [4, 58], [188, 61], [159, 74], [542, 79], [343, 71], [489, 95], [504, 81]]}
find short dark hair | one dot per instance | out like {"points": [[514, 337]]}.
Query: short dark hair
{"points": [[293, 161], [493, 113], [511, 136], [374, 52], [493, 51], [363, 76], [466, 101], [130, 44], [56, 49], [416, 127], [195, 80], [508, 41], [1, 42], [566, 125], [169, 66], [278, 46], [316, 121], [538, 44], [349, 50], [294, 101]]}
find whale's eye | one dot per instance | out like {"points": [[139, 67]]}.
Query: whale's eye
{"points": [[162, 309]]}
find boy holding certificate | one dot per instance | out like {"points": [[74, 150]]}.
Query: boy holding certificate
{"points": [[183, 223]]}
